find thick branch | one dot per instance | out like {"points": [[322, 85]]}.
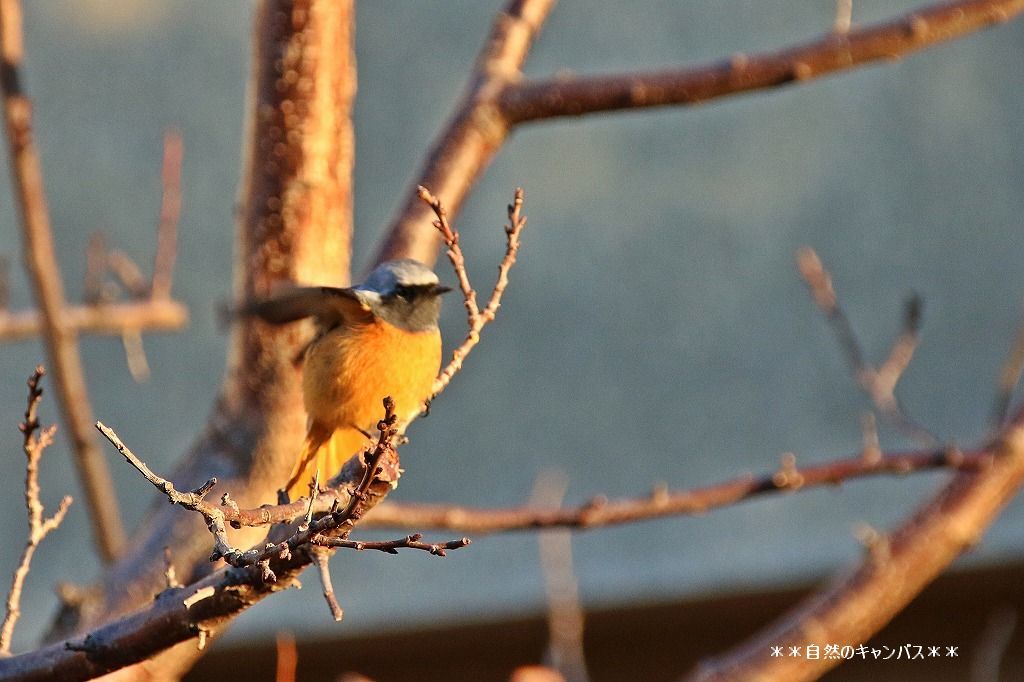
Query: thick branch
{"points": [[894, 570], [293, 225], [40, 258], [476, 132], [834, 52], [497, 99], [106, 318]]}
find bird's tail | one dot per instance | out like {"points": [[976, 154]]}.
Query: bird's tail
{"points": [[326, 451]]}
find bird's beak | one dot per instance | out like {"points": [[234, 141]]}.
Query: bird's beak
{"points": [[441, 289]]}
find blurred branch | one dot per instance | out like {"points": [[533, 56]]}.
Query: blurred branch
{"points": [[601, 511], [896, 567], [565, 651], [38, 526], [878, 383], [170, 211], [1009, 377], [498, 98], [106, 318], [60, 338]]}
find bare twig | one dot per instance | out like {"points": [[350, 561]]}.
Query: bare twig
{"points": [[339, 519], [95, 268], [38, 525], [1009, 377], [321, 561], [170, 211], [135, 354], [127, 273], [392, 546], [879, 384], [60, 338], [602, 511], [477, 319], [170, 575], [5, 284]]}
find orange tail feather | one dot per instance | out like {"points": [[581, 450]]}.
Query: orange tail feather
{"points": [[326, 451]]}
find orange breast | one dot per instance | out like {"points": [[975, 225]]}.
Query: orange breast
{"points": [[349, 371]]}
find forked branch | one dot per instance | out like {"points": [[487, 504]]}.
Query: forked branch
{"points": [[477, 319], [35, 441]]}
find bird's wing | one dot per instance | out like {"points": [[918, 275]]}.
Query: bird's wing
{"points": [[328, 305]]}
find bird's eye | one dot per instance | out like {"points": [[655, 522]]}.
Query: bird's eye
{"points": [[404, 293]]}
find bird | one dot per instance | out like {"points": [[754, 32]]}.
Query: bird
{"points": [[375, 339]]}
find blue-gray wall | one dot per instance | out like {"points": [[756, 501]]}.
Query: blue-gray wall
{"points": [[655, 329]]}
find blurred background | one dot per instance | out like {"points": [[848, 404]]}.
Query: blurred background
{"points": [[655, 329]]}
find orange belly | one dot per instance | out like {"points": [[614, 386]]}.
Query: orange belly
{"points": [[347, 373]]}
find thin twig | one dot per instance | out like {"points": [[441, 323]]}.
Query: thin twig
{"points": [[321, 561], [5, 283], [38, 525], [95, 268], [1009, 377], [879, 384], [339, 519], [392, 546], [127, 273], [40, 257], [476, 319], [170, 212], [135, 354], [601, 511]]}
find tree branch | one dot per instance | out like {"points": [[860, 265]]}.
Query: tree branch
{"points": [[104, 318], [833, 52], [38, 525], [61, 340], [896, 567], [170, 211], [601, 511], [474, 135], [477, 319], [497, 99], [863, 600], [293, 225], [879, 383]]}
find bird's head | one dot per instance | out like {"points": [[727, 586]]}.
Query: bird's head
{"points": [[404, 293]]}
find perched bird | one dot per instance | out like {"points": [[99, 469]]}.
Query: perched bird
{"points": [[376, 339]]}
